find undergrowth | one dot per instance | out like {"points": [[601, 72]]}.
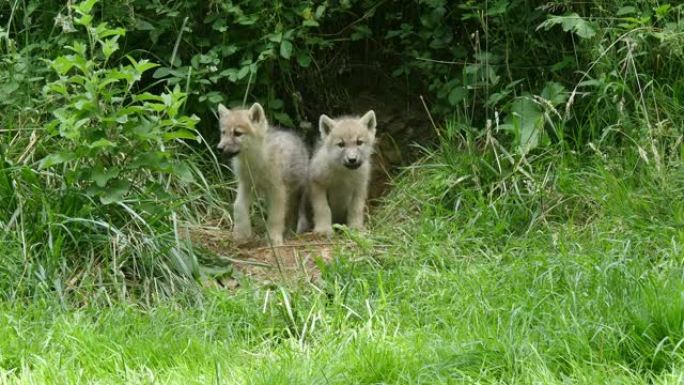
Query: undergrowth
{"points": [[579, 280], [539, 241]]}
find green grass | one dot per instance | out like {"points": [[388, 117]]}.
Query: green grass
{"points": [[577, 281]]}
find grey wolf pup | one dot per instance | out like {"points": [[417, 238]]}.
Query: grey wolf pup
{"points": [[339, 171], [271, 162]]}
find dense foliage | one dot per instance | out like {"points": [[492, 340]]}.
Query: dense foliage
{"points": [[106, 119]]}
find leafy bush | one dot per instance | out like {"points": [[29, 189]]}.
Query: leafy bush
{"points": [[106, 189], [112, 138], [115, 158]]}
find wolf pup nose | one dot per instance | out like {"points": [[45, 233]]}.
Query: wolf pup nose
{"points": [[339, 171], [226, 152], [352, 163], [271, 162]]}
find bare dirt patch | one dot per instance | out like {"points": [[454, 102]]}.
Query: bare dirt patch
{"points": [[298, 261]]}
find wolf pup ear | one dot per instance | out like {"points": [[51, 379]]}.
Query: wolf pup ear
{"points": [[222, 110], [368, 120], [325, 124], [257, 114]]}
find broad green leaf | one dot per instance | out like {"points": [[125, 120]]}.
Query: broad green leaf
{"points": [[247, 20], [181, 134], [148, 96], [103, 31], [275, 37], [152, 160], [527, 120], [110, 46], [101, 176], [102, 143], [143, 65], [286, 49], [115, 192], [84, 20], [85, 7], [320, 10], [570, 23], [361, 32], [220, 25], [555, 93], [84, 105], [627, 10], [78, 48], [498, 8], [276, 104], [55, 159], [183, 172], [283, 118], [161, 72], [456, 95], [663, 10], [244, 71], [303, 59], [62, 64], [142, 25], [57, 87]]}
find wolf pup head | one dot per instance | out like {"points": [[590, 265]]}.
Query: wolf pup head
{"points": [[349, 140], [240, 128]]}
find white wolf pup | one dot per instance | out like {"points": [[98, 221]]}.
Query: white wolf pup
{"points": [[271, 162], [339, 171]]}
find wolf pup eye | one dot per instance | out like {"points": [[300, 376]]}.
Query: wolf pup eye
{"points": [[238, 134], [359, 142], [340, 144]]}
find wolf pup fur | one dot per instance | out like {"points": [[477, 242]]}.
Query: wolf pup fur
{"points": [[339, 171], [268, 161]]}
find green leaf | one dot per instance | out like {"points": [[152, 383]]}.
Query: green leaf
{"points": [[627, 10], [181, 134], [102, 143], [555, 93], [303, 59], [247, 20], [110, 46], [151, 160], [663, 10], [527, 120], [161, 72], [85, 7], [183, 172], [142, 25], [143, 65], [361, 32], [115, 192], [457, 95], [101, 176], [55, 159], [244, 71], [85, 20], [286, 49], [570, 23], [283, 118], [320, 10], [62, 64]]}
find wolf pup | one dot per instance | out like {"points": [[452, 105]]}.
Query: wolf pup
{"points": [[271, 162], [339, 171]]}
